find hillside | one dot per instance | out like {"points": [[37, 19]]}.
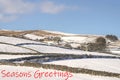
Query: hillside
{"points": [[50, 51]]}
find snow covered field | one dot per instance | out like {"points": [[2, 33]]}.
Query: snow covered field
{"points": [[40, 47], [10, 73], [57, 32], [14, 49], [18, 45], [13, 40], [33, 37], [116, 52], [109, 65], [52, 49], [78, 39], [13, 56]]}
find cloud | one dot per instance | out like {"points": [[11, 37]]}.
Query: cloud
{"points": [[51, 7], [15, 6], [7, 18], [10, 9]]}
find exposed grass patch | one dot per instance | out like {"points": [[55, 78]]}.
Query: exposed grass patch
{"points": [[21, 33]]}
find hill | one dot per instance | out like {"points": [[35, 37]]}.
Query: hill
{"points": [[50, 51]]}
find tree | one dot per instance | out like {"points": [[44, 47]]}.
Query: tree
{"points": [[101, 41], [112, 37]]}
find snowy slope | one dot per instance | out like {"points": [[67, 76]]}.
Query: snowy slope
{"points": [[116, 52], [74, 37], [18, 45], [33, 72], [57, 32], [33, 37], [8, 44], [52, 49], [13, 40], [78, 39], [14, 49], [109, 65], [13, 56], [38, 46]]}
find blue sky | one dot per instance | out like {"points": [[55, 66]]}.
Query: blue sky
{"points": [[73, 16]]}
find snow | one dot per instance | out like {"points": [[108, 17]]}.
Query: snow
{"points": [[109, 65], [78, 39], [118, 52], [57, 32], [73, 39], [13, 40], [91, 77], [115, 50], [48, 49], [40, 48], [13, 56], [33, 37], [14, 49], [31, 71], [52, 49], [75, 45]]}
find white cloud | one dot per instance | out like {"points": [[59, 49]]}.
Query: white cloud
{"points": [[7, 18], [9, 9], [12, 9], [51, 7]]}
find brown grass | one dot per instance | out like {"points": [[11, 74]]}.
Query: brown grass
{"points": [[21, 33]]}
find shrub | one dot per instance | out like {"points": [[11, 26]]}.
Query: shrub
{"points": [[79, 47], [41, 40], [99, 45], [57, 39], [101, 41], [83, 47], [96, 47], [68, 46], [112, 37]]}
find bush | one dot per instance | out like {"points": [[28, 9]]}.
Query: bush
{"points": [[68, 46], [83, 47], [79, 47], [99, 45], [96, 47], [101, 41], [112, 37], [57, 39]]}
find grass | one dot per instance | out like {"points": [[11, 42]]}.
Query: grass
{"points": [[21, 33]]}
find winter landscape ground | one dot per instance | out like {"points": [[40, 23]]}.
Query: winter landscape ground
{"points": [[52, 55]]}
